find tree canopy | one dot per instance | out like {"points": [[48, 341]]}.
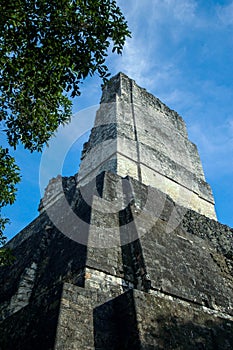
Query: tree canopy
{"points": [[47, 48], [9, 177]]}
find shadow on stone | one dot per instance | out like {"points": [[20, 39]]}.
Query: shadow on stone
{"points": [[34, 326], [115, 324], [134, 321], [172, 333]]}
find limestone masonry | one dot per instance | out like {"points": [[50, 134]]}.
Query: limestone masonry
{"points": [[127, 254], [135, 134]]}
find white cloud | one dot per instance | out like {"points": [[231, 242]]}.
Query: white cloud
{"points": [[159, 33], [216, 146], [231, 126], [225, 14], [181, 99], [53, 156], [134, 61], [184, 11]]}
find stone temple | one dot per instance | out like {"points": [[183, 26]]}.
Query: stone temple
{"points": [[128, 253]]}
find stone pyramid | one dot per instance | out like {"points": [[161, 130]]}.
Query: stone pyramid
{"points": [[128, 253]]}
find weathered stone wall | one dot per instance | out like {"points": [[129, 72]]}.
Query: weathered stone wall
{"points": [[135, 134], [112, 262], [76, 322], [190, 264], [47, 257], [33, 326], [193, 260], [167, 323], [137, 320]]}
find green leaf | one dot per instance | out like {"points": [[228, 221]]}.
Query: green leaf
{"points": [[47, 48]]}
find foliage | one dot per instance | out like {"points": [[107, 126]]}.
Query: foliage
{"points": [[9, 177], [47, 48], [6, 257]]}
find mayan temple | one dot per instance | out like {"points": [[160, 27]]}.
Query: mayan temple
{"points": [[128, 253]]}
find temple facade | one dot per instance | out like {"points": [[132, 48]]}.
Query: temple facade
{"points": [[128, 253]]}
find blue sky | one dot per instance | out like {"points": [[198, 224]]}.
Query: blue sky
{"points": [[182, 52]]}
